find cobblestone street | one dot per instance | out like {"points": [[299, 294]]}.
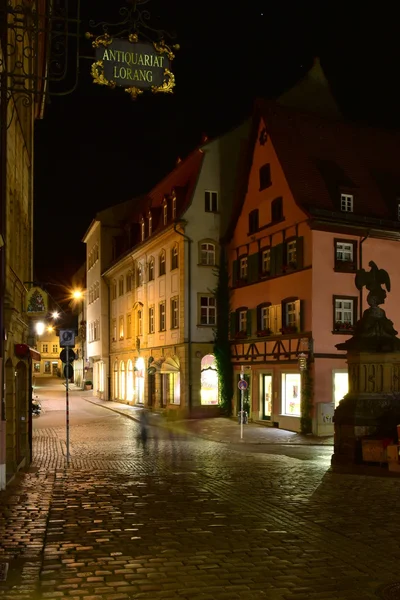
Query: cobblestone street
{"points": [[189, 518]]}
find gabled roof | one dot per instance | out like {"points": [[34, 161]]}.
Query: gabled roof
{"points": [[324, 156]]}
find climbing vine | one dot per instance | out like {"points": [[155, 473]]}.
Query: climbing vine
{"points": [[222, 348], [306, 400]]}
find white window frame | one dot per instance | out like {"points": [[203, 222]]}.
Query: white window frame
{"points": [[128, 325], [344, 251], [265, 318], [55, 348], [243, 267], [291, 249], [242, 320], [175, 257], [266, 260], [174, 207], [342, 312], [162, 261], [346, 202], [207, 254], [165, 213], [140, 322], [210, 310], [162, 316], [139, 275], [174, 313], [290, 314], [151, 319], [45, 348], [142, 230], [150, 225], [151, 269]]}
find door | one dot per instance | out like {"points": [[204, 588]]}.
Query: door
{"points": [[266, 397], [55, 369]]}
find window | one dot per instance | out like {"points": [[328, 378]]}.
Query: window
{"points": [[253, 221], [129, 282], [139, 275], [208, 310], [91, 327], [55, 348], [37, 367], [291, 253], [165, 212], [210, 201], [151, 269], [291, 394], [277, 210], [265, 176], [290, 314], [96, 330], [91, 295], [265, 318], [161, 270], [345, 313], [45, 348], [121, 287], [114, 330], [96, 290], [121, 328], [207, 254], [114, 290], [242, 321], [174, 257], [243, 267], [162, 316], [151, 319], [345, 255], [174, 207], [346, 202], [266, 261], [150, 224], [174, 313], [142, 230], [129, 326], [139, 322]]}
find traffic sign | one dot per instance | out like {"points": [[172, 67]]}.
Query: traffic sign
{"points": [[242, 384], [71, 355], [67, 338], [68, 371]]}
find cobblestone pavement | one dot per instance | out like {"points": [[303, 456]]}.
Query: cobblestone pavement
{"points": [[187, 518]]}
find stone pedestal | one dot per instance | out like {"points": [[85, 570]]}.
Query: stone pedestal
{"points": [[372, 406]]}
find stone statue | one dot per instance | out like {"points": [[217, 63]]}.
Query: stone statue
{"points": [[373, 281]]}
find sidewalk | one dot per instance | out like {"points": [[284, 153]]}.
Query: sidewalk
{"points": [[220, 429]]}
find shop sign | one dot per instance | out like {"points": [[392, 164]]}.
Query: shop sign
{"points": [[36, 302], [133, 65]]}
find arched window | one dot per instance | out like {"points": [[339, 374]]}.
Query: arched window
{"points": [[165, 212], [129, 382], [142, 230], [151, 269], [207, 253], [150, 217], [174, 257], [122, 381], [161, 270], [116, 380], [139, 275]]}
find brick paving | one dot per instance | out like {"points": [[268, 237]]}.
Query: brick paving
{"points": [[191, 519]]}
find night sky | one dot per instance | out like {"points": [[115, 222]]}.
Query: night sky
{"points": [[96, 147]]}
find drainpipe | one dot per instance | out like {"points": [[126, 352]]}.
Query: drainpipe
{"points": [[189, 240], [360, 267]]}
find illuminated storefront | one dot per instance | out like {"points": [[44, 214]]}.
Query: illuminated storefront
{"points": [[130, 390], [122, 381], [209, 380], [291, 394], [139, 380]]}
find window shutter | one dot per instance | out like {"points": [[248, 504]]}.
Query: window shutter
{"points": [[258, 318], [300, 252], [278, 259], [232, 324], [278, 320], [272, 319], [297, 306], [248, 322], [234, 272], [254, 320], [252, 266], [272, 261]]}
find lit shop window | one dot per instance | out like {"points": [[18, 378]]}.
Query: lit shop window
{"points": [[291, 394]]}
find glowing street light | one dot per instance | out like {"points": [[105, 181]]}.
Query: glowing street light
{"points": [[77, 294], [50, 329], [55, 315]]}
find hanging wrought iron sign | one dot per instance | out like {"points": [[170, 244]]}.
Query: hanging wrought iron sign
{"points": [[133, 65]]}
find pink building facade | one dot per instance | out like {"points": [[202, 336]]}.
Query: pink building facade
{"points": [[322, 200]]}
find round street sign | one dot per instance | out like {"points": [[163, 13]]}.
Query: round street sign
{"points": [[242, 384], [71, 355], [68, 371]]}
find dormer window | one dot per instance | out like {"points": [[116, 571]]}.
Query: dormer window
{"points": [[165, 212], [150, 224], [174, 207], [142, 230], [346, 202]]}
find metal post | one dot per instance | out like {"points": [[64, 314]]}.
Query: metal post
{"points": [[67, 402], [241, 404]]}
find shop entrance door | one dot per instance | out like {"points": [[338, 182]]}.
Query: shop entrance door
{"points": [[266, 398]]}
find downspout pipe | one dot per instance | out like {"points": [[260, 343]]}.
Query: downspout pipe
{"points": [[189, 241], [360, 267]]}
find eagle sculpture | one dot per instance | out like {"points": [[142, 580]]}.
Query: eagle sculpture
{"points": [[373, 280]]}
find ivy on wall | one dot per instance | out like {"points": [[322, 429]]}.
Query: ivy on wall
{"points": [[306, 401], [222, 348]]}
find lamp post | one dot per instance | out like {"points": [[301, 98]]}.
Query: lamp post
{"points": [[78, 295]]}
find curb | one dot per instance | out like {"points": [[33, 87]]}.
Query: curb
{"points": [[205, 437]]}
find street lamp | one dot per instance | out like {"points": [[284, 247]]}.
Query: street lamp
{"points": [[40, 327]]}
